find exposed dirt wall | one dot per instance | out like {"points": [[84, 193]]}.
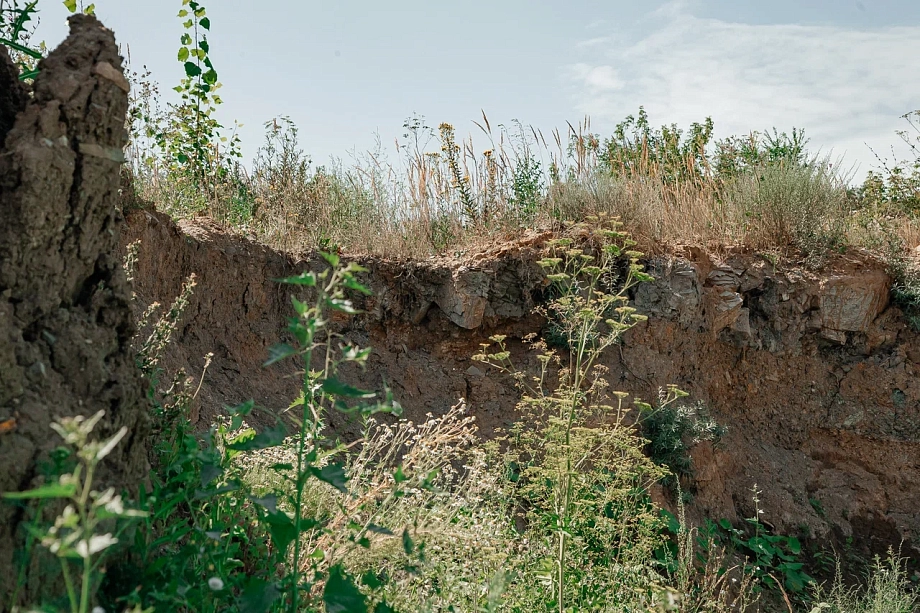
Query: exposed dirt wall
{"points": [[814, 374], [65, 320]]}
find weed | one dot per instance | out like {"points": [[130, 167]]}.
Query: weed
{"points": [[92, 521], [591, 524], [774, 559], [671, 429], [888, 590]]}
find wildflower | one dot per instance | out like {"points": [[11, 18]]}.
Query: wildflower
{"points": [[215, 584]]}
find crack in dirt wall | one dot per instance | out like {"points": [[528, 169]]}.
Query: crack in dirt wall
{"points": [[814, 374]]}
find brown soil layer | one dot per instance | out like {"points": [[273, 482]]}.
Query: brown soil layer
{"points": [[813, 374]]}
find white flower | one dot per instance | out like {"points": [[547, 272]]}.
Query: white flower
{"points": [[98, 610], [215, 584], [86, 548]]}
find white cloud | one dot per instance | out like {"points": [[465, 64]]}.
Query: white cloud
{"points": [[847, 88]]}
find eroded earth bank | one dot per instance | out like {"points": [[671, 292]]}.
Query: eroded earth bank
{"points": [[814, 374]]}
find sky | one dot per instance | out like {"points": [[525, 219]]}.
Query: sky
{"points": [[349, 72]]}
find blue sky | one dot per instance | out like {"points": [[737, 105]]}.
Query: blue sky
{"points": [[347, 70]]}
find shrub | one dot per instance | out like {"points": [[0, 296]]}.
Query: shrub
{"points": [[672, 429]]}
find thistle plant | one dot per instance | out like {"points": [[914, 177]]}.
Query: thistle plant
{"points": [[16, 29], [83, 532]]}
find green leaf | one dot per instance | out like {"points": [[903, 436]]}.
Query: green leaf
{"points": [[21, 48], [279, 352], [192, 69], [209, 472], [271, 437], [399, 476], [204, 46], [334, 387], [183, 54], [258, 596], [304, 278], [51, 490], [332, 258], [186, 39], [281, 529], [269, 502], [351, 283], [341, 595], [71, 5], [333, 474], [210, 77], [408, 545], [379, 530], [371, 580], [383, 607], [205, 23], [205, 494]]}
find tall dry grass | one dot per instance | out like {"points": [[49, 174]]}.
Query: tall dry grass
{"points": [[432, 194]]}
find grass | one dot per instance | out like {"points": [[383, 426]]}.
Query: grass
{"points": [[437, 196]]}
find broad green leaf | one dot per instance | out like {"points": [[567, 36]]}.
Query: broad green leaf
{"points": [[371, 580], [352, 283], [258, 596], [332, 258], [205, 494], [183, 54], [209, 472], [341, 595], [192, 69], [205, 23], [51, 490], [281, 529], [334, 387], [269, 502], [71, 5], [271, 437], [304, 278], [279, 352], [333, 474], [244, 408]]}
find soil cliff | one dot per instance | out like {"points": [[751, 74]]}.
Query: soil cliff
{"points": [[814, 374]]}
